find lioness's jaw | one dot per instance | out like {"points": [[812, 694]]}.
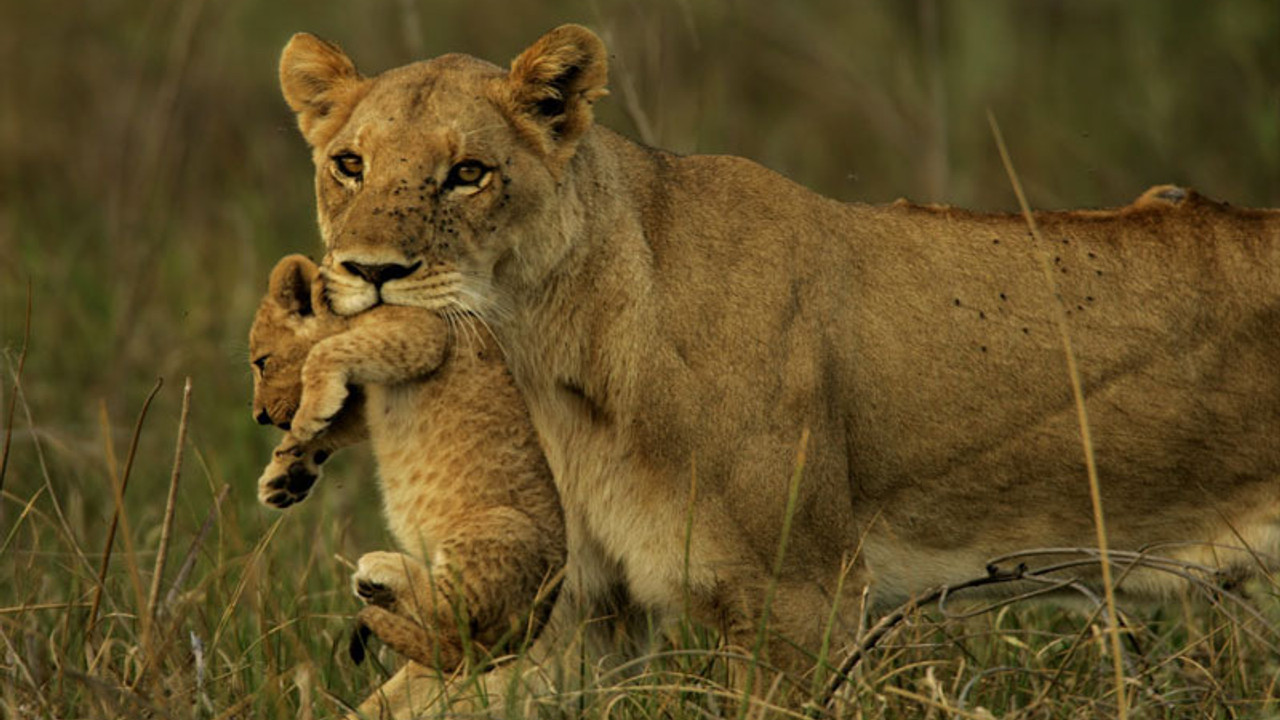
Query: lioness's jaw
{"points": [[552, 86], [319, 83]]}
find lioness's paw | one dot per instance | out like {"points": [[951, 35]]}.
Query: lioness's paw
{"points": [[388, 579], [288, 478]]}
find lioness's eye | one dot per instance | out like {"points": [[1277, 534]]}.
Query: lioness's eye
{"points": [[468, 173], [349, 165]]}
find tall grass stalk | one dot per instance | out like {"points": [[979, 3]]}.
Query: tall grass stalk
{"points": [[1082, 418]]}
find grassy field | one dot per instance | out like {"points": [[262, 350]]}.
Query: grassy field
{"points": [[152, 175]]}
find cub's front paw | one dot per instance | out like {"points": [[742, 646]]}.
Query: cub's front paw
{"points": [[321, 403], [293, 470]]}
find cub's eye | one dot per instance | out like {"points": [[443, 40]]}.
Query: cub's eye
{"points": [[260, 362], [349, 165], [468, 175]]}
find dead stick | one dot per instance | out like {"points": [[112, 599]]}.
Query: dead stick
{"points": [[877, 632]]}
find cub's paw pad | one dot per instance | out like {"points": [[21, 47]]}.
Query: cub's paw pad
{"points": [[382, 577], [375, 593], [282, 500], [289, 488], [299, 479]]}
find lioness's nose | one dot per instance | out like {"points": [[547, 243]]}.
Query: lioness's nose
{"points": [[378, 274]]}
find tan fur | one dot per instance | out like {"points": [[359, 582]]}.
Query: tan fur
{"points": [[465, 488], [673, 317]]}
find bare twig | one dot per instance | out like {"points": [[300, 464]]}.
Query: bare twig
{"points": [[1195, 575], [162, 553], [878, 631]]}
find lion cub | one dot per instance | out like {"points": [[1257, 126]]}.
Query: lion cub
{"points": [[465, 487]]}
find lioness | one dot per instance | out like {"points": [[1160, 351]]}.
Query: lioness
{"points": [[676, 325], [464, 484]]}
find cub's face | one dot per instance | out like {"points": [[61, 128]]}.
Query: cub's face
{"points": [[286, 326], [434, 177]]}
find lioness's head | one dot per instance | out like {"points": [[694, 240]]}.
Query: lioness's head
{"points": [[290, 319], [432, 175]]}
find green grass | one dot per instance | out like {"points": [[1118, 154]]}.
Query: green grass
{"points": [[152, 175]]}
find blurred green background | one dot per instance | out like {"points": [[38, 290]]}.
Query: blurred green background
{"points": [[150, 175]]}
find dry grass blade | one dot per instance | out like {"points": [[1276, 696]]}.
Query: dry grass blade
{"points": [[250, 568], [119, 697], [190, 560], [27, 674], [1086, 438], [118, 490], [929, 702], [13, 396], [793, 494], [171, 503]]}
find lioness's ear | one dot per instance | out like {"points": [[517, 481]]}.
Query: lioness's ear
{"points": [[555, 81], [290, 284], [317, 80]]}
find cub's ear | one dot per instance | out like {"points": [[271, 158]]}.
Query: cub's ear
{"points": [[290, 284], [319, 82], [554, 83]]}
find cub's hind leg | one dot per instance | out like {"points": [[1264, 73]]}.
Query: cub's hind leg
{"points": [[408, 608], [493, 586]]}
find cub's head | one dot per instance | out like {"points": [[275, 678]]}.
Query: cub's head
{"points": [[290, 319], [433, 177]]}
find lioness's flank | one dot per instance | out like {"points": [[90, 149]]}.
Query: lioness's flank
{"points": [[676, 324], [465, 488]]}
